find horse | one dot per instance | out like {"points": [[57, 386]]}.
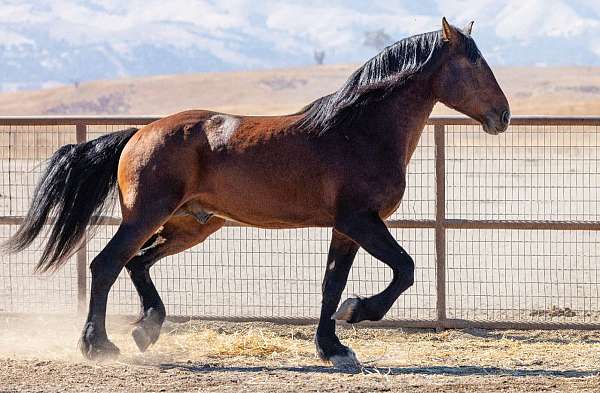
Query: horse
{"points": [[340, 162]]}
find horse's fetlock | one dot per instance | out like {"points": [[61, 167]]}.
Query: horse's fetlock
{"points": [[156, 314]]}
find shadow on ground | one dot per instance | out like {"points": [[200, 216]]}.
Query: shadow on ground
{"points": [[535, 336], [435, 370]]}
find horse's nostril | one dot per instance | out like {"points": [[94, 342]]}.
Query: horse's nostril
{"points": [[505, 117]]}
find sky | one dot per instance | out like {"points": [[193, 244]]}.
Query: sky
{"points": [[50, 40]]}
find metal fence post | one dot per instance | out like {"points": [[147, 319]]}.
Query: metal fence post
{"points": [[81, 256], [440, 223]]}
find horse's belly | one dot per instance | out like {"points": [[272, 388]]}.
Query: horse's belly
{"points": [[267, 209], [273, 219]]}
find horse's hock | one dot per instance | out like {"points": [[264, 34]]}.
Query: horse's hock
{"points": [[504, 233]]}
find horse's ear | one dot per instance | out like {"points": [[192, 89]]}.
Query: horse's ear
{"points": [[448, 32], [468, 28]]}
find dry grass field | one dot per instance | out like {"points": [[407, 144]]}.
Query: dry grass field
{"points": [[559, 91]]}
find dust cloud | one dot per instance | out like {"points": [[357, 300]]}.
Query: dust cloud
{"points": [[50, 337]]}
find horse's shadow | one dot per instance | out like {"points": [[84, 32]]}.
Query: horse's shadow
{"points": [[433, 370]]}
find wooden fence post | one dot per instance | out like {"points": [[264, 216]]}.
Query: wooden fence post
{"points": [[81, 256], [440, 223]]}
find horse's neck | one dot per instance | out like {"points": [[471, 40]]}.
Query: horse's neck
{"points": [[407, 111]]}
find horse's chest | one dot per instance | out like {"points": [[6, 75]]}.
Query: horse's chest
{"points": [[392, 196], [386, 192]]}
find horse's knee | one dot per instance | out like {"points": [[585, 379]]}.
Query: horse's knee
{"points": [[406, 272], [409, 270]]}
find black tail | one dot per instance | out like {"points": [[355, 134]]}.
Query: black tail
{"points": [[72, 193]]}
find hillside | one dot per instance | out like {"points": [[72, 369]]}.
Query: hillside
{"points": [[52, 43], [560, 91]]}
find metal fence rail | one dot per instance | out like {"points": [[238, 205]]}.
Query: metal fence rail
{"points": [[503, 230]]}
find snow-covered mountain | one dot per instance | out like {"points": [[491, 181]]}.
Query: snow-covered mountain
{"points": [[44, 43]]}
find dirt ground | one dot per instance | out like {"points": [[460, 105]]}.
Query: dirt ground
{"points": [[39, 355]]}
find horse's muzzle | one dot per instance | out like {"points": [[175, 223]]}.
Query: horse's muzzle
{"points": [[495, 124]]}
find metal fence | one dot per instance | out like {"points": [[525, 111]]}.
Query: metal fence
{"points": [[504, 232]]}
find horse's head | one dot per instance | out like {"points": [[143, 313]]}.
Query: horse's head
{"points": [[466, 82]]}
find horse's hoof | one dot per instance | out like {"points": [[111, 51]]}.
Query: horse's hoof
{"points": [[98, 350], [147, 330], [143, 337], [347, 311], [343, 358], [346, 362]]}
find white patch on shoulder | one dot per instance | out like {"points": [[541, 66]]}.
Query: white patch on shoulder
{"points": [[219, 129]]}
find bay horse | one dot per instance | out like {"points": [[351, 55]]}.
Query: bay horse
{"points": [[340, 162]]}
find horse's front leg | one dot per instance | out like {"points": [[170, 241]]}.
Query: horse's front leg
{"points": [[370, 232], [342, 251]]}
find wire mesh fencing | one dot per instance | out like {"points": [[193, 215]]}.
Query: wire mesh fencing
{"points": [[505, 233], [543, 173]]}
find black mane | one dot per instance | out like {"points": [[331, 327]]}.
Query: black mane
{"points": [[374, 81]]}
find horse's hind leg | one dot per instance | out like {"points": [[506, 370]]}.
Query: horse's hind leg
{"points": [[177, 235], [105, 269]]}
